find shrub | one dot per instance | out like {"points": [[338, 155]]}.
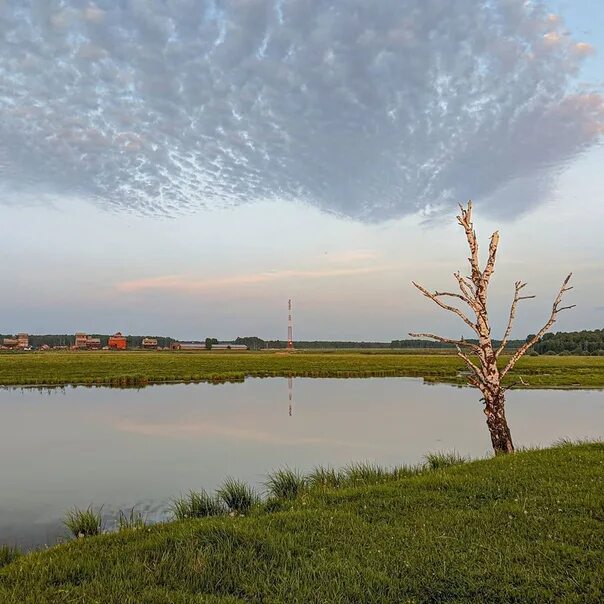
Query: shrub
{"points": [[286, 484], [439, 460], [237, 496], [84, 523], [197, 504]]}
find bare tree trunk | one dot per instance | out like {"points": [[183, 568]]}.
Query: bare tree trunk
{"points": [[494, 409]]}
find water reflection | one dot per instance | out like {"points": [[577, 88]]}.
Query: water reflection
{"points": [[125, 448]]}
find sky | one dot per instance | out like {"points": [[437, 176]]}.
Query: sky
{"points": [[184, 167]]}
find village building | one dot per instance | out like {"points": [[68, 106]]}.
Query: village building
{"points": [[117, 342]]}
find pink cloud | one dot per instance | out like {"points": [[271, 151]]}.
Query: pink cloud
{"points": [[184, 283]]}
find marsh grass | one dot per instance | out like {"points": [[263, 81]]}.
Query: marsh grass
{"points": [[237, 496], [323, 477], [365, 473], [8, 554], [197, 504], [132, 519], [137, 369], [84, 523], [286, 483], [443, 459]]}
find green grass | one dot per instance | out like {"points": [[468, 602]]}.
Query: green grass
{"points": [[238, 497], [197, 504], [8, 554], [135, 369], [286, 484], [325, 478], [132, 519], [84, 523], [527, 527], [440, 460]]}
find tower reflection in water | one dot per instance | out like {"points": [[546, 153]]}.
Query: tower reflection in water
{"points": [[290, 388]]}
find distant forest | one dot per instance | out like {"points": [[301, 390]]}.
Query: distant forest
{"points": [[254, 343], [572, 343]]}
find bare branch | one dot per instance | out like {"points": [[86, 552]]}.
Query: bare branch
{"points": [[465, 220], [490, 267], [477, 372], [453, 295], [556, 308], [474, 382], [566, 307], [465, 285], [517, 297], [465, 343], [453, 309], [514, 384]]}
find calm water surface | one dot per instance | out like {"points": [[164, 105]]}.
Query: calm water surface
{"points": [[122, 448]]}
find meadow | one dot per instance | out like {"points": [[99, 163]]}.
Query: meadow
{"points": [[139, 368], [526, 527]]}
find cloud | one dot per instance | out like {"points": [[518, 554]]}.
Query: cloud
{"points": [[183, 283], [366, 110]]}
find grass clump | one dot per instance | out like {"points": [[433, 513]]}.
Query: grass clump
{"points": [[443, 459], [84, 523], [132, 519], [323, 477], [237, 496], [286, 484], [197, 504], [365, 473], [8, 553]]}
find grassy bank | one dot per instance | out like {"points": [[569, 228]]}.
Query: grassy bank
{"points": [[522, 528], [140, 368]]}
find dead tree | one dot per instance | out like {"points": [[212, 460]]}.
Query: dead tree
{"points": [[481, 358]]}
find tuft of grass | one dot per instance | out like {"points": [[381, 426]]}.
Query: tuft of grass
{"points": [[197, 504], [132, 519], [405, 471], [324, 477], [443, 459], [286, 483], [237, 496], [365, 473], [573, 442], [84, 523], [8, 553]]}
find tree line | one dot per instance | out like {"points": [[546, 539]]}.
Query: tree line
{"points": [[576, 343]]}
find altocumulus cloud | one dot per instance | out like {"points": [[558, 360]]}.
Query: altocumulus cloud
{"points": [[371, 110]]}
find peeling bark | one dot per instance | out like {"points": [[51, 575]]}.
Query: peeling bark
{"points": [[484, 372]]}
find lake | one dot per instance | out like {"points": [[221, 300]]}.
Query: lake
{"points": [[125, 448]]}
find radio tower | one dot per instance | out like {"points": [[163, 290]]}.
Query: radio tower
{"points": [[290, 329]]}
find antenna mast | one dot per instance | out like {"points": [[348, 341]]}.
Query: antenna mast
{"points": [[290, 329]]}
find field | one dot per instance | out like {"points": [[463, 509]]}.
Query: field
{"points": [[140, 368], [520, 528]]}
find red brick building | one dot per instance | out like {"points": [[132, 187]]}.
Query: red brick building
{"points": [[117, 342]]}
